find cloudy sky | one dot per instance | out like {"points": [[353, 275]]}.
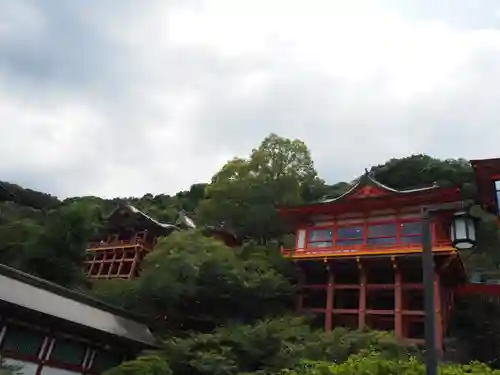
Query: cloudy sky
{"points": [[120, 98]]}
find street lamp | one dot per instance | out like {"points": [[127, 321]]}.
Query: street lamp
{"points": [[463, 236], [463, 231]]}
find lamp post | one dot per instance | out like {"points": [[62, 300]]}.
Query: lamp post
{"points": [[463, 236]]}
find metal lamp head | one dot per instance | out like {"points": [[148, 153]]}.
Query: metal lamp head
{"points": [[463, 231]]}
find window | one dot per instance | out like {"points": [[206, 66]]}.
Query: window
{"points": [[105, 360], [23, 341], [67, 351], [347, 236], [320, 238], [381, 234], [410, 232]]}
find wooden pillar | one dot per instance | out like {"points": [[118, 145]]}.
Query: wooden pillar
{"points": [[329, 298], [398, 301], [362, 296], [135, 263], [438, 312], [101, 262]]}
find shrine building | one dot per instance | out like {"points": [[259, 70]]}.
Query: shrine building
{"points": [[129, 235], [359, 255], [46, 329]]}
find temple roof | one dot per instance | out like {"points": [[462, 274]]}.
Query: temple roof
{"points": [[138, 215], [65, 305], [369, 194], [367, 187]]}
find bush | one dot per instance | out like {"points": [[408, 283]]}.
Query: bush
{"points": [[374, 363], [146, 365], [268, 346]]}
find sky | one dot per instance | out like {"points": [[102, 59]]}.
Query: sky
{"points": [[123, 98]]}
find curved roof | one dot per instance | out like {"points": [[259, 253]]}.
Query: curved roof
{"points": [[378, 189], [165, 228], [369, 194]]}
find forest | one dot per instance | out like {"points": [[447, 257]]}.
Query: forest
{"points": [[229, 311]]}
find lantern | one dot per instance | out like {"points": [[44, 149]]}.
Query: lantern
{"points": [[463, 231]]}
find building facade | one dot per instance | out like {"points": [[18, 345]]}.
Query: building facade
{"points": [[359, 258], [46, 329], [129, 236]]}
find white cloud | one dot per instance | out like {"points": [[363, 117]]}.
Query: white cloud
{"points": [[165, 93]]}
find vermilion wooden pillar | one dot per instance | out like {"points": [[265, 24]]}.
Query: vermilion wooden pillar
{"points": [[329, 298], [135, 265], [398, 302], [362, 296]]}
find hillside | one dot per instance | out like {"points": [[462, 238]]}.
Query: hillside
{"points": [[219, 310]]}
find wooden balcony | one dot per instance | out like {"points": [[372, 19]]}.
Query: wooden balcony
{"points": [[363, 250]]}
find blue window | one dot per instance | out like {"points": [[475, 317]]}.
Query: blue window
{"points": [[413, 227], [381, 234], [382, 230], [410, 233], [347, 236], [319, 238], [411, 240]]}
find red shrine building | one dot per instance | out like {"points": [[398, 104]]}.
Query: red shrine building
{"points": [[359, 255], [129, 235]]}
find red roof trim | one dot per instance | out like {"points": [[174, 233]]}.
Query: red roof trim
{"points": [[439, 195], [368, 192]]}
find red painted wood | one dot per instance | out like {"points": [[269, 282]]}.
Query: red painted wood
{"points": [[480, 289], [329, 300], [398, 304], [366, 224], [353, 204], [362, 298], [346, 311]]}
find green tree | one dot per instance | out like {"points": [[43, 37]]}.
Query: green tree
{"points": [[57, 254], [199, 283], [418, 171], [245, 192]]}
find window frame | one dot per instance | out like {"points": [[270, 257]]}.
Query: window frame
{"points": [[380, 223], [401, 222], [320, 228], [365, 224], [357, 224]]}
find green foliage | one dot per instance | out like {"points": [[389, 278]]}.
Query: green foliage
{"points": [[147, 365], [418, 171], [475, 323], [199, 283], [245, 192], [373, 363], [270, 345], [51, 246], [27, 197], [6, 369]]}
